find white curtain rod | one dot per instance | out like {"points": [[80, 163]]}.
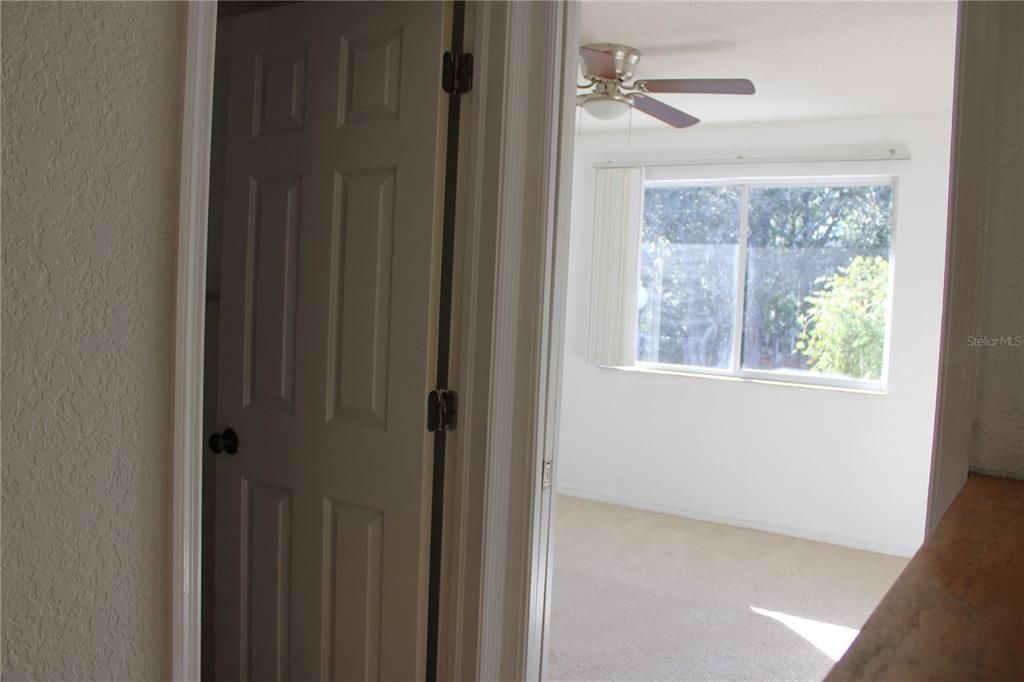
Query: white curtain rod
{"points": [[894, 153]]}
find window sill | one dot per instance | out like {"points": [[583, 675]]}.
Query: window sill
{"points": [[770, 379]]}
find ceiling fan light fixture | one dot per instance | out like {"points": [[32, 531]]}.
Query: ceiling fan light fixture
{"points": [[606, 106]]}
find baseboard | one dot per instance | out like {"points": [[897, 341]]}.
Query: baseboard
{"points": [[778, 529]]}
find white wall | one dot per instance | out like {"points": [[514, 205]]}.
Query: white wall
{"points": [[843, 467], [91, 142]]}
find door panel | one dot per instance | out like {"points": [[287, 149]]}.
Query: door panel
{"points": [[351, 607], [271, 280], [280, 97], [264, 582], [374, 77], [326, 336], [364, 210]]}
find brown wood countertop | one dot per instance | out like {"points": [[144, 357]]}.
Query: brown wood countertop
{"points": [[957, 610]]}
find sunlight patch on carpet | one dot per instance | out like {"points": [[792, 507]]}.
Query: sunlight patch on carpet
{"points": [[828, 638]]}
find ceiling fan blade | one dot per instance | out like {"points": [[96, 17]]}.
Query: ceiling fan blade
{"points": [[664, 112], [710, 86], [599, 63]]}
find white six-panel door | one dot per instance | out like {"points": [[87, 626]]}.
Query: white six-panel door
{"points": [[325, 341]]}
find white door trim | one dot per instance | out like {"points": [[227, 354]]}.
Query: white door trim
{"points": [[190, 313], [511, 266], [510, 296], [968, 176], [513, 280]]}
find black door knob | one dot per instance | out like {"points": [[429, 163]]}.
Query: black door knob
{"points": [[224, 442]]}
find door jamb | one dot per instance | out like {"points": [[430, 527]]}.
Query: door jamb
{"points": [[970, 141], [514, 230], [511, 278], [190, 312], [516, 364]]}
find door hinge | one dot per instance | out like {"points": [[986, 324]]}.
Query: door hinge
{"points": [[457, 73], [442, 410], [545, 477]]}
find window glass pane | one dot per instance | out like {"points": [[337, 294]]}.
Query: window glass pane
{"points": [[687, 294], [817, 279]]}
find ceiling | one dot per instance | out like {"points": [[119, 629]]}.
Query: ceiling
{"points": [[808, 60]]}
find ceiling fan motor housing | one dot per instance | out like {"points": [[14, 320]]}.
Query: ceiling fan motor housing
{"points": [[625, 57]]}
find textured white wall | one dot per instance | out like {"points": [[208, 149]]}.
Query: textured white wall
{"points": [[997, 445], [91, 139]]}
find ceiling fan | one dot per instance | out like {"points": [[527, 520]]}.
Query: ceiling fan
{"points": [[608, 66]]}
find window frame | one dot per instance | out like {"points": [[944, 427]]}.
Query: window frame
{"points": [[664, 177]]}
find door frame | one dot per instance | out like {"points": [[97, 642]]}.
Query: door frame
{"points": [[507, 336], [512, 263], [189, 329], [518, 202]]}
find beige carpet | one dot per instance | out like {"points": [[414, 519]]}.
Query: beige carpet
{"points": [[645, 596]]}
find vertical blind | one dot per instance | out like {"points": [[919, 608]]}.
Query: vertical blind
{"points": [[618, 205]]}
